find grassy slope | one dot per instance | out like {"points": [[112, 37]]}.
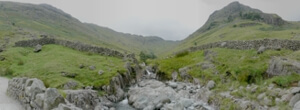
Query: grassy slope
{"points": [[236, 68], [52, 60], [24, 21], [227, 31]]}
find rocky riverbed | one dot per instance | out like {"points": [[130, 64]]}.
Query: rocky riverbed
{"points": [[151, 94]]}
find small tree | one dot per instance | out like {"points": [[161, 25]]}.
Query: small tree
{"points": [[144, 56]]}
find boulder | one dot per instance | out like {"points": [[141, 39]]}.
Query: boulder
{"points": [[85, 99], [39, 100], [183, 73], [70, 85], [261, 49], [294, 100], [295, 90], [150, 92], [172, 84], [210, 84], [209, 54], [175, 75], [67, 107], [266, 101], [186, 102], [120, 94], [223, 44], [81, 66], [100, 72], [277, 101], [206, 65], [33, 87], [69, 75], [196, 81], [38, 48], [92, 67], [283, 66], [297, 106], [52, 99], [278, 48], [286, 97], [261, 96]]}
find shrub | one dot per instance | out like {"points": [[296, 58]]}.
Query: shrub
{"points": [[8, 72], [144, 56], [20, 63], [181, 54]]}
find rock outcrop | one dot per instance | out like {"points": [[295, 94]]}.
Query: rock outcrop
{"points": [[33, 95], [37, 48], [84, 99], [283, 66]]}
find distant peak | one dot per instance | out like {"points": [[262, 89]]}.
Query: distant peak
{"points": [[234, 3], [236, 10]]}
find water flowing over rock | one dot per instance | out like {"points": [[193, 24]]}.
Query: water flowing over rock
{"points": [[153, 94]]}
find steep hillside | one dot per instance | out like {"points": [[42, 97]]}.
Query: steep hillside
{"points": [[20, 21], [239, 22]]}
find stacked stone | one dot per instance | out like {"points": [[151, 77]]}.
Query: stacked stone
{"points": [[33, 95], [74, 45], [275, 44]]}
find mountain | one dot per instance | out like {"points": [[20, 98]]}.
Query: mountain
{"points": [[19, 21], [240, 22]]}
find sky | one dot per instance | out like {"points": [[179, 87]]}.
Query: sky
{"points": [[168, 19]]}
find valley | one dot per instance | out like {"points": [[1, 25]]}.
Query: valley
{"points": [[240, 59]]}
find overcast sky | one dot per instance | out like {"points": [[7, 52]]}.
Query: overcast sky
{"points": [[169, 19]]}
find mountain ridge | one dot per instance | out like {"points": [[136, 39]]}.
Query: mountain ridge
{"points": [[240, 22], [34, 20]]}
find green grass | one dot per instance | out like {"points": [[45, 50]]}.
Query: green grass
{"points": [[242, 65], [235, 68], [48, 64], [227, 31], [26, 21], [170, 65], [286, 81]]}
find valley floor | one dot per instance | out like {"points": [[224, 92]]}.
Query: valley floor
{"points": [[7, 103]]}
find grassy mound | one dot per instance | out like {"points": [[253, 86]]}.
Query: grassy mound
{"points": [[48, 64], [244, 66]]}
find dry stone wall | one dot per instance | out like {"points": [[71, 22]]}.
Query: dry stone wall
{"points": [[74, 45], [33, 95], [252, 44]]}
